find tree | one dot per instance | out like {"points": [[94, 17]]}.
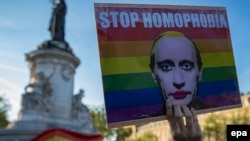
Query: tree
{"points": [[216, 124], [4, 107], [122, 133], [214, 127], [99, 122], [147, 136]]}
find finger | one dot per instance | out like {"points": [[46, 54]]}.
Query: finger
{"points": [[178, 136], [195, 119], [169, 109], [179, 117], [188, 117], [197, 127], [177, 111], [170, 117]]}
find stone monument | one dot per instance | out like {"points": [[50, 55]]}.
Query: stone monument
{"points": [[48, 100]]}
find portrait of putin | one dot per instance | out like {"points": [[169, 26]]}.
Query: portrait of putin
{"points": [[176, 67]]}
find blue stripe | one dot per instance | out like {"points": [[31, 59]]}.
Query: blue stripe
{"points": [[215, 88], [151, 96], [133, 98]]}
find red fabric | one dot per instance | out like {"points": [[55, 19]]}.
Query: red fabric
{"points": [[48, 135]]}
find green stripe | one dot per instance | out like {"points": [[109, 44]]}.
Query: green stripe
{"points": [[144, 80], [218, 74], [127, 81]]}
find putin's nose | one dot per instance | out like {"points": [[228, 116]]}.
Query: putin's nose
{"points": [[178, 80]]}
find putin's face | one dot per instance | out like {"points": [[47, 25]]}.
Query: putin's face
{"points": [[176, 69]]}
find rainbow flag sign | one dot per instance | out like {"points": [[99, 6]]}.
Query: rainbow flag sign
{"points": [[150, 53]]}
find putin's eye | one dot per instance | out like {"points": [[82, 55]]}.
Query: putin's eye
{"points": [[166, 67], [187, 66]]}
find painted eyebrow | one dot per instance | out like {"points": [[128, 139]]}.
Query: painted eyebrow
{"points": [[186, 61], [167, 61]]}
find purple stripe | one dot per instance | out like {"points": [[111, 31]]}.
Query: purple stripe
{"points": [[134, 113], [224, 99], [128, 114]]}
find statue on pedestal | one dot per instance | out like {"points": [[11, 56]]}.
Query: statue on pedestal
{"points": [[80, 112], [57, 22], [48, 101], [78, 107], [56, 28]]}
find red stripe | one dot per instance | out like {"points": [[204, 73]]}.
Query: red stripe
{"points": [[146, 34], [77, 136]]}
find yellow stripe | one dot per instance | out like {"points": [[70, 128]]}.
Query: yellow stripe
{"points": [[217, 59], [122, 65]]}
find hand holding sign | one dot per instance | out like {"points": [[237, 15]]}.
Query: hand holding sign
{"points": [[179, 130]]}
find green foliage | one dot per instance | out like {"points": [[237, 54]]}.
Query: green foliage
{"points": [[99, 121], [4, 107], [216, 124], [147, 136], [215, 127], [122, 133]]}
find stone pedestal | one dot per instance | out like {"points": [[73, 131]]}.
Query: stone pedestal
{"points": [[48, 101], [59, 67]]}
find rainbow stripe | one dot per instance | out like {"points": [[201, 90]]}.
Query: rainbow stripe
{"points": [[127, 81]]}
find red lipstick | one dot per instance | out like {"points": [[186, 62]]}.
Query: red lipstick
{"points": [[179, 94]]}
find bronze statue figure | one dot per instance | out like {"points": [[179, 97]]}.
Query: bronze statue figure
{"points": [[57, 22], [56, 28]]}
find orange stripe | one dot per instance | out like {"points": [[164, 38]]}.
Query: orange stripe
{"points": [[142, 48], [124, 49], [214, 45]]}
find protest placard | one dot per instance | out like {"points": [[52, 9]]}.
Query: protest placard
{"points": [[150, 53]]}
